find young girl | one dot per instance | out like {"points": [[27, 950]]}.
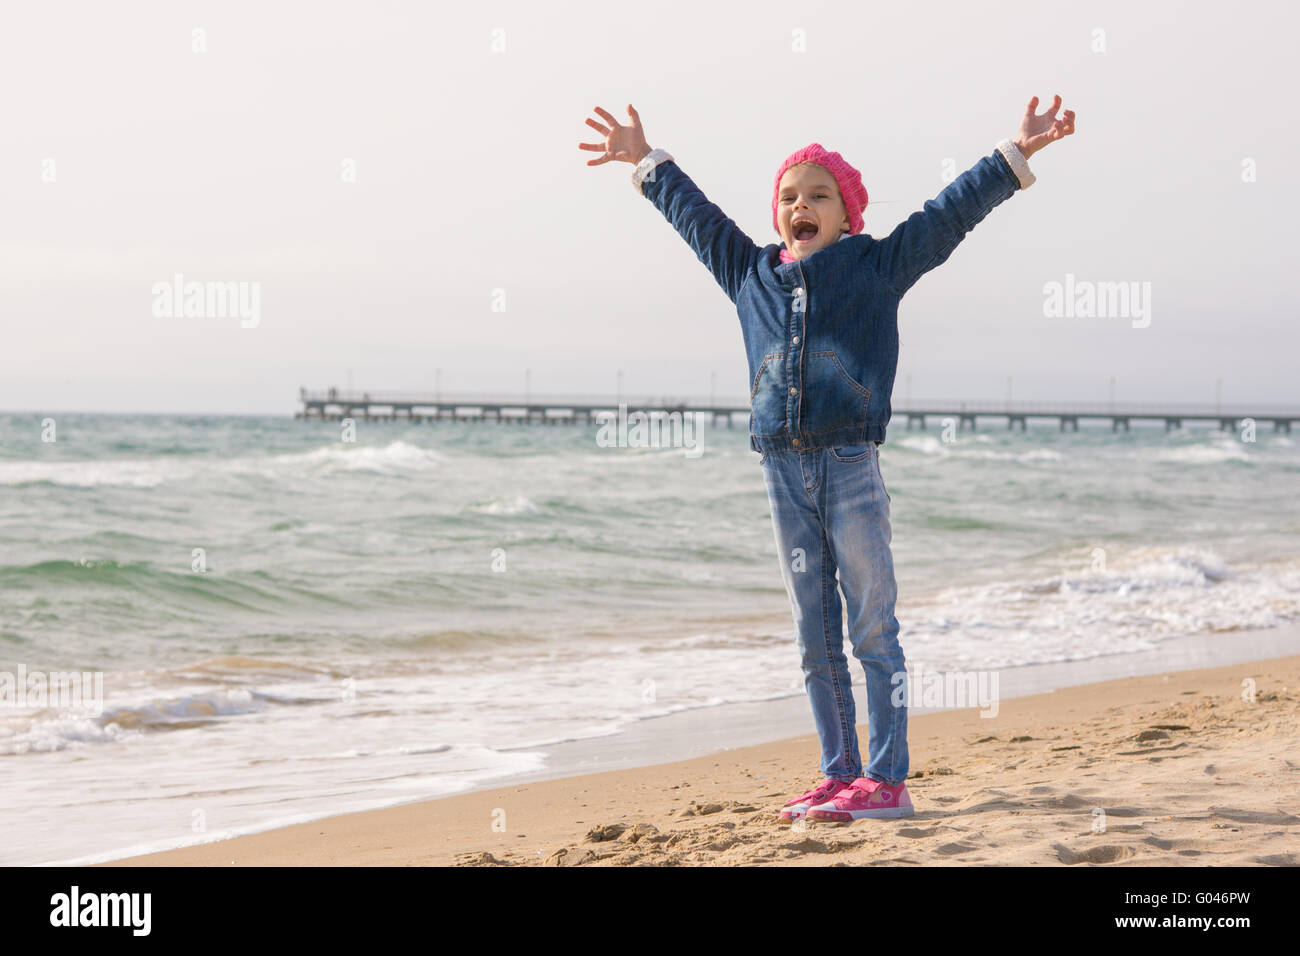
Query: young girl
{"points": [[819, 317]]}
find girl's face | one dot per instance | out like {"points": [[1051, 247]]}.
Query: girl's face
{"points": [[809, 210]]}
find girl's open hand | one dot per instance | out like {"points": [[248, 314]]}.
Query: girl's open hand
{"points": [[1037, 131], [624, 143]]}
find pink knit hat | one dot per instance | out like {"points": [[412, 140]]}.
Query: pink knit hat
{"points": [[847, 178]]}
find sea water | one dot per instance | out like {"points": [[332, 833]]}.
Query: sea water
{"points": [[289, 625]]}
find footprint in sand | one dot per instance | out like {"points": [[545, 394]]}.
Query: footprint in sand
{"points": [[1181, 847], [1108, 853], [807, 845], [916, 833], [1147, 750], [952, 849], [1146, 735]]}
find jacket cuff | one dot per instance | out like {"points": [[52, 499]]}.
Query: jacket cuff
{"points": [[645, 169], [1016, 160]]}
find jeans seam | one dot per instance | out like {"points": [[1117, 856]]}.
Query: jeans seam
{"points": [[879, 610], [845, 731], [900, 716]]}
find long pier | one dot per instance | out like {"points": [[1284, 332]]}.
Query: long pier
{"points": [[333, 404], [505, 409]]}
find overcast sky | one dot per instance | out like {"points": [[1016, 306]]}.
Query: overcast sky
{"points": [[232, 164]]}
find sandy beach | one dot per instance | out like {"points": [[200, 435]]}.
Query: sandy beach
{"points": [[1198, 767]]}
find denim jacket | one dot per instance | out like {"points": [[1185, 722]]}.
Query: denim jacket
{"points": [[821, 333]]}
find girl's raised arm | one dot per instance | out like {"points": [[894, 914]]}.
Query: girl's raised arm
{"points": [[927, 237], [728, 254]]}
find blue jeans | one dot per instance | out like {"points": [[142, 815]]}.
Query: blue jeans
{"points": [[830, 512]]}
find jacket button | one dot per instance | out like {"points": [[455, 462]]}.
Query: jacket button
{"points": [[793, 390], [795, 443], [799, 291], [795, 340]]}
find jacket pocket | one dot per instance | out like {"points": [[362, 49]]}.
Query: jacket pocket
{"points": [[767, 397], [758, 376], [835, 399]]}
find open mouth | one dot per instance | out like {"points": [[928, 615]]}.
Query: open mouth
{"points": [[805, 231]]}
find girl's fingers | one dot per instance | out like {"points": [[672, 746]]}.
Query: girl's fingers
{"points": [[598, 160], [636, 117], [594, 147], [1033, 105], [605, 116], [597, 127]]}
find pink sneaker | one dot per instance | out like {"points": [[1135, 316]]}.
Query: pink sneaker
{"points": [[798, 807], [864, 798]]}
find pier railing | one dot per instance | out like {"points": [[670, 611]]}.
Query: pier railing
{"points": [[334, 403]]}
